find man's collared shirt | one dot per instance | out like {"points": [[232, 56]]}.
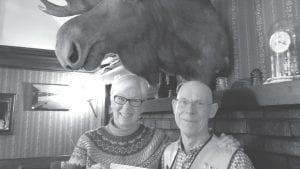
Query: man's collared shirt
{"points": [[184, 160]]}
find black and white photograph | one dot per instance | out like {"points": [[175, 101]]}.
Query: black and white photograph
{"points": [[150, 84]]}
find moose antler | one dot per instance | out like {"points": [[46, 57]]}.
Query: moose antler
{"points": [[73, 7]]}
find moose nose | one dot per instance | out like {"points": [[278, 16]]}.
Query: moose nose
{"points": [[73, 58]]}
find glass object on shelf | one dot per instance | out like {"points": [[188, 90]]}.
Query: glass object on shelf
{"points": [[256, 77], [283, 52], [222, 83], [167, 85]]}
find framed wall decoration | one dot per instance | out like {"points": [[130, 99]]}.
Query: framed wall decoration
{"points": [[46, 97], [6, 112]]}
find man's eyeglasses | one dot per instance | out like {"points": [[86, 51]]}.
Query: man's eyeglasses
{"points": [[133, 102], [185, 102]]}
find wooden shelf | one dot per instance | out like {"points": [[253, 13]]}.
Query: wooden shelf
{"points": [[285, 93]]}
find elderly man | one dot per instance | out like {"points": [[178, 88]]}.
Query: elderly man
{"points": [[197, 147]]}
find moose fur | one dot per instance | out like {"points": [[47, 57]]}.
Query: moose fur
{"points": [[182, 37]]}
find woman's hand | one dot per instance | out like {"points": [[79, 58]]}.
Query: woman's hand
{"points": [[97, 166], [228, 141], [67, 165]]}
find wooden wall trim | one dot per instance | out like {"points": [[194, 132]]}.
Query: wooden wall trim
{"points": [[29, 58]]}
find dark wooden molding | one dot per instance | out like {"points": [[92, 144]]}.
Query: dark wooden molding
{"points": [[29, 58]]}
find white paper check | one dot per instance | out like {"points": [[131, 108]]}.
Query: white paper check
{"points": [[121, 166]]}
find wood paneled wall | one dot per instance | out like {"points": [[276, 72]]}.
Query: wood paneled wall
{"points": [[248, 23], [43, 133]]}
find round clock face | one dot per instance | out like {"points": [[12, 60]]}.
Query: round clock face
{"points": [[280, 41]]}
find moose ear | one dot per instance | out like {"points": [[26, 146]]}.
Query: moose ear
{"points": [[73, 7]]}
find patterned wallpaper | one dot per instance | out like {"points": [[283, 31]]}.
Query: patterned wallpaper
{"points": [[248, 23], [43, 133]]}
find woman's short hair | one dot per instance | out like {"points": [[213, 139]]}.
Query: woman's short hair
{"points": [[140, 82]]}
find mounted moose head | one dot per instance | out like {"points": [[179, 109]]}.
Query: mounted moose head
{"points": [[182, 37]]}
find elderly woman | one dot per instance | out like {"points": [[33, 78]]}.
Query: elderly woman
{"points": [[124, 141]]}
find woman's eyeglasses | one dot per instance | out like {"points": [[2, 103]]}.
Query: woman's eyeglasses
{"points": [[133, 102]]}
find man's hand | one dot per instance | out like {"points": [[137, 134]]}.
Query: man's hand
{"points": [[228, 141]]}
